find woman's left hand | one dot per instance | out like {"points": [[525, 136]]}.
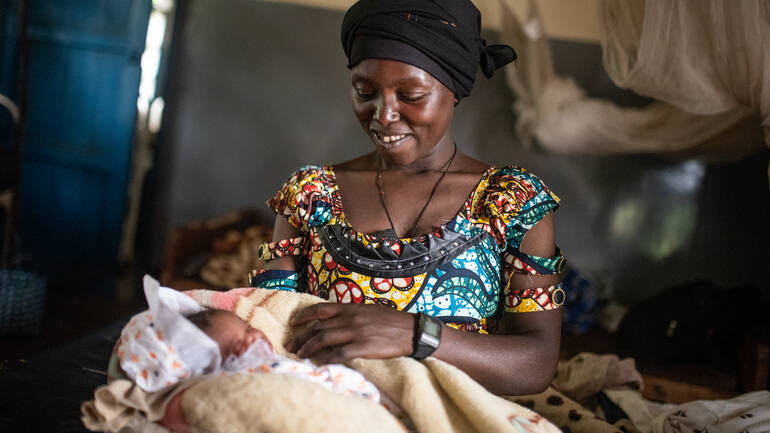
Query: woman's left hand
{"points": [[340, 332]]}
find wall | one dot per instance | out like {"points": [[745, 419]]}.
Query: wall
{"points": [[568, 20], [257, 89]]}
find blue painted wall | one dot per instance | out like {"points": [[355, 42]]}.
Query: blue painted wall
{"points": [[84, 69]]}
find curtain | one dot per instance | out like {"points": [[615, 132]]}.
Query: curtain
{"points": [[705, 64]]}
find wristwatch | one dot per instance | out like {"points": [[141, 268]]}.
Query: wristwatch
{"points": [[427, 335]]}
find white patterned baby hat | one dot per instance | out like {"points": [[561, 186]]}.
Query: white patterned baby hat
{"points": [[159, 347]]}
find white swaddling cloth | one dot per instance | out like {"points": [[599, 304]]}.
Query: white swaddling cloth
{"points": [[260, 358], [159, 347]]}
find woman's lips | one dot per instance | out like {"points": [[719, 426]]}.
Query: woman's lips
{"points": [[389, 141]]}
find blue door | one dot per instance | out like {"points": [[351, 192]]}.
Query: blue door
{"points": [[84, 69]]}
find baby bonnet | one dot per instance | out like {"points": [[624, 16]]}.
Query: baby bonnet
{"points": [[159, 346]]}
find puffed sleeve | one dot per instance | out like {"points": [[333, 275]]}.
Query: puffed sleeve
{"points": [[517, 201], [306, 198], [528, 201]]}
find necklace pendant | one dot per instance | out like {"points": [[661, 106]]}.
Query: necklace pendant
{"points": [[387, 235]]}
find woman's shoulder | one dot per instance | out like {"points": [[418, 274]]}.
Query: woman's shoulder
{"points": [[365, 162], [510, 172], [309, 173], [516, 180]]}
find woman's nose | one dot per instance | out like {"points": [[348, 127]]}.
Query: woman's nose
{"points": [[385, 111]]}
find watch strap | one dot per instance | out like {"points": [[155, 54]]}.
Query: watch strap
{"points": [[426, 338]]}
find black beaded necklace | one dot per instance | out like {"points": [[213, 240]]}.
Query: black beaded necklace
{"points": [[391, 234]]}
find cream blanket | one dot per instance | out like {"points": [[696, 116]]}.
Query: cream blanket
{"points": [[436, 396]]}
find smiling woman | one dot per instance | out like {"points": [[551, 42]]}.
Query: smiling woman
{"points": [[423, 250], [404, 109]]}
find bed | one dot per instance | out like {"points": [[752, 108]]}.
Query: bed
{"points": [[44, 393]]}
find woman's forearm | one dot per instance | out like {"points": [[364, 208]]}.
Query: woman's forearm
{"points": [[504, 364]]}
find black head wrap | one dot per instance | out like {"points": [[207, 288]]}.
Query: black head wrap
{"points": [[442, 37]]}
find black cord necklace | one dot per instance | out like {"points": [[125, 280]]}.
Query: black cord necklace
{"points": [[411, 232]]}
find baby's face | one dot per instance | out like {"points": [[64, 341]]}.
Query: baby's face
{"points": [[232, 334]]}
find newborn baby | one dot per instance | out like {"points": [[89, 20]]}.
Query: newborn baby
{"points": [[232, 334], [176, 339], [248, 350]]}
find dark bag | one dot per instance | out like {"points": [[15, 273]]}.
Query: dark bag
{"points": [[695, 322]]}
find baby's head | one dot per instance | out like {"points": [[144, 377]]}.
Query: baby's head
{"points": [[233, 334]]}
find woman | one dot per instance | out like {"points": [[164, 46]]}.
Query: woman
{"points": [[425, 250]]}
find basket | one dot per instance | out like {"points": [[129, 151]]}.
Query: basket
{"points": [[22, 302], [192, 247]]}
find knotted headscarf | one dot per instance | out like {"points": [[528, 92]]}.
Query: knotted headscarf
{"points": [[442, 37]]}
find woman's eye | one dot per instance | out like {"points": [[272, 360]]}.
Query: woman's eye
{"points": [[412, 97], [364, 94]]}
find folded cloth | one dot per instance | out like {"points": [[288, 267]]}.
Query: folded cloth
{"points": [[259, 358], [122, 404], [586, 374], [569, 415], [749, 413]]}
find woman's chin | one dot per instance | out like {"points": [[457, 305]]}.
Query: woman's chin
{"points": [[398, 155]]}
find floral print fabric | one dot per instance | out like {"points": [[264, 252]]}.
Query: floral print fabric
{"points": [[464, 292]]}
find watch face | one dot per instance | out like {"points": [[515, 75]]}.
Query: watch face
{"points": [[431, 327]]}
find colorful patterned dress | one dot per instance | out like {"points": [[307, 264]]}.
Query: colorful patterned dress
{"points": [[458, 274]]}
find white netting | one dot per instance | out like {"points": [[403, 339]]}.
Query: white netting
{"points": [[704, 62]]}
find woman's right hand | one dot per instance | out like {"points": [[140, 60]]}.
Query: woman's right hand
{"points": [[338, 333]]}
